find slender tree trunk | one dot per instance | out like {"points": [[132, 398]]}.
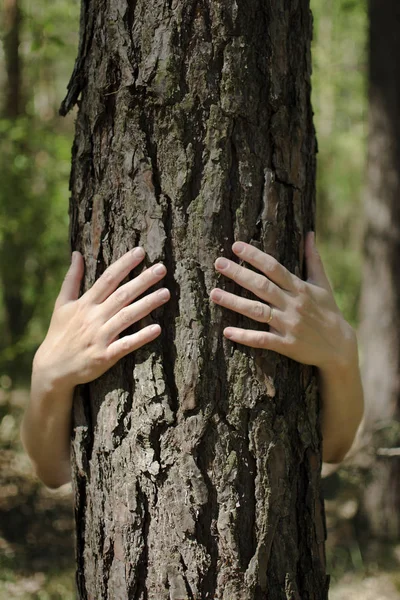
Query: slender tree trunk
{"points": [[380, 306], [11, 40], [196, 462], [11, 110]]}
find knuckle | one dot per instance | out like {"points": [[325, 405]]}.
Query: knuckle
{"points": [[262, 284], [258, 310], [263, 340], [236, 272], [301, 306], [121, 295], [301, 286], [98, 358], [125, 317], [124, 345], [232, 302], [297, 325], [288, 341], [272, 265], [151, 300], [108, 276]]}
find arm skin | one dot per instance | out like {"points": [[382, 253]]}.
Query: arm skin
{"points": [[307, 326], [81, 344]]}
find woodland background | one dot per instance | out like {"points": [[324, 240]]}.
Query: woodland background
{"points": [[36, 539]]}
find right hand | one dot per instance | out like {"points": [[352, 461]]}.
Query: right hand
{"points": [[82, 342]]}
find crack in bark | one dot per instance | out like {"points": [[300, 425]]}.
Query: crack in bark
{"points": [[108, 557], [85, 398], [208, 515], [287, 184], [128, 20], [247, 541], [258, 230], [86, 160], [78, 77], [194, 134], [171, 312], [80, 509], [233, 185], [185, 579], [139, 588], [122, 429]]}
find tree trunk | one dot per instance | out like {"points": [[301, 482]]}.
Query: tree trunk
{"points": [[11, 40], [10, 275], [196, 462], [380, 306]]}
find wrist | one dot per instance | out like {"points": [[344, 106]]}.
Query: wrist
{"points": [[344, 359], [48, 378]]}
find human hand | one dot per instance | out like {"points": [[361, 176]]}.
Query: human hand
{"points": [[304, 321], [82, 341]]}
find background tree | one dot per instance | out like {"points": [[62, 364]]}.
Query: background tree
{"points": [[380, 306], [196, 463]]}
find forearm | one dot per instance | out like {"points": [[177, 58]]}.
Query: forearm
{"points": [[45, 429], [343, 406]]}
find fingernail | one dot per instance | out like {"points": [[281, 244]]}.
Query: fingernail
{"points": [[163, 294], [74, 257], [216, 295], [154, 328], [222, 263], [159, 269], [228, 333], [312, 234], [238, 248], [138, 252]]}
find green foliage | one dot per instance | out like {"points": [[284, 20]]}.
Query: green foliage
{"points": [[34, 171], [340, 104], [39, 586]]}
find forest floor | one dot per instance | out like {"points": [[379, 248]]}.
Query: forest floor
{"points": [[36, 533]]}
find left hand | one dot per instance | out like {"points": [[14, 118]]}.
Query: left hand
{"points": [[305, 323]]}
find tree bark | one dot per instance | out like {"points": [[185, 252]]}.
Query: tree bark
{"points": [[380, 303], [196, 462]]}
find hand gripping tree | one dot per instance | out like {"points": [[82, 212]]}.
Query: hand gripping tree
{"points": [[196, 461]]}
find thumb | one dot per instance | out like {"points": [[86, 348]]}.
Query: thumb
{"points": [[315, 268], [72, 282]]}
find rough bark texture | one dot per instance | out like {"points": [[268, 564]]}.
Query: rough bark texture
{"points": [[380, 307], [197, 463]]}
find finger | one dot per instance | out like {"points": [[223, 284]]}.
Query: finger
{"points": [[315, 268], [265, 263], [258, 284], [130, 343], [256, 339], [72, 283], [112, 277], [127, 293], [249, 308], [134, 312]]}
